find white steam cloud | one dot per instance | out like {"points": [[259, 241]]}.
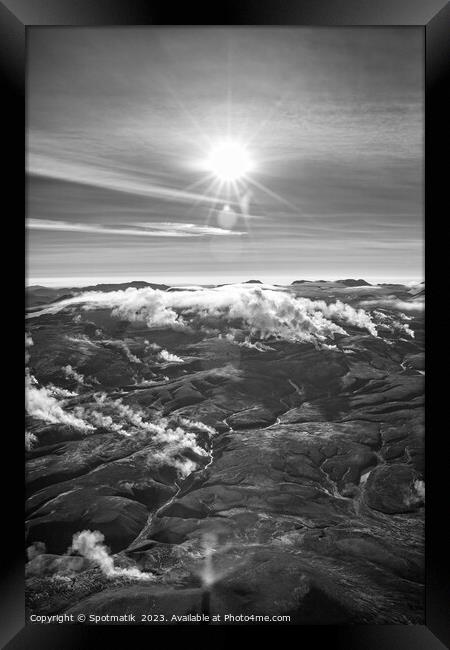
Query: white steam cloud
{"points": [[419, 487], [30, 440], [168, 357], [90, 544], [234, 336], [121, 345], [38, 548], [28, 344], [60, 393], [71, 373], [171, 438], [43, 405], [392, 324]]}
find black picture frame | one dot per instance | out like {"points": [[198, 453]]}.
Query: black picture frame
{"points": [[434, 16]]}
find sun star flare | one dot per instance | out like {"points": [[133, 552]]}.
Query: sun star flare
{"points": [[229, 161]]}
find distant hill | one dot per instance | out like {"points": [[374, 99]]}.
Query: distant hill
{"points": [[392, 285], [354, 283], [307, 282], [36, 295], [136, 284]]}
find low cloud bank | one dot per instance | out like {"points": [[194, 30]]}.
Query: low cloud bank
{"points": [[262, 312], [392, 302]]}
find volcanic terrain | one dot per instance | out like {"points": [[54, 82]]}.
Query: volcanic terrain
{"points": [[259, 442]]}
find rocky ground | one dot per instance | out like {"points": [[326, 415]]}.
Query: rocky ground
{"points": [[283, 474]]}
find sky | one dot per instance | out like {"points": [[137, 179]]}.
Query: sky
{"points": [[121, 124]]}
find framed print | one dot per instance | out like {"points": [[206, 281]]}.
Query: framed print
{"points": [[225, 368]]}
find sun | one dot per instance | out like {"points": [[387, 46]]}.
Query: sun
{"points": [[229, 161]]}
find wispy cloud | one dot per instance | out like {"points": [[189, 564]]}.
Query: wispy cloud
{"points": [[97, 175], [391, 302], [157, 229]]}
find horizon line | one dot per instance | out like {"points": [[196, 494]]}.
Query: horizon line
{"points": [[77, 281]]}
